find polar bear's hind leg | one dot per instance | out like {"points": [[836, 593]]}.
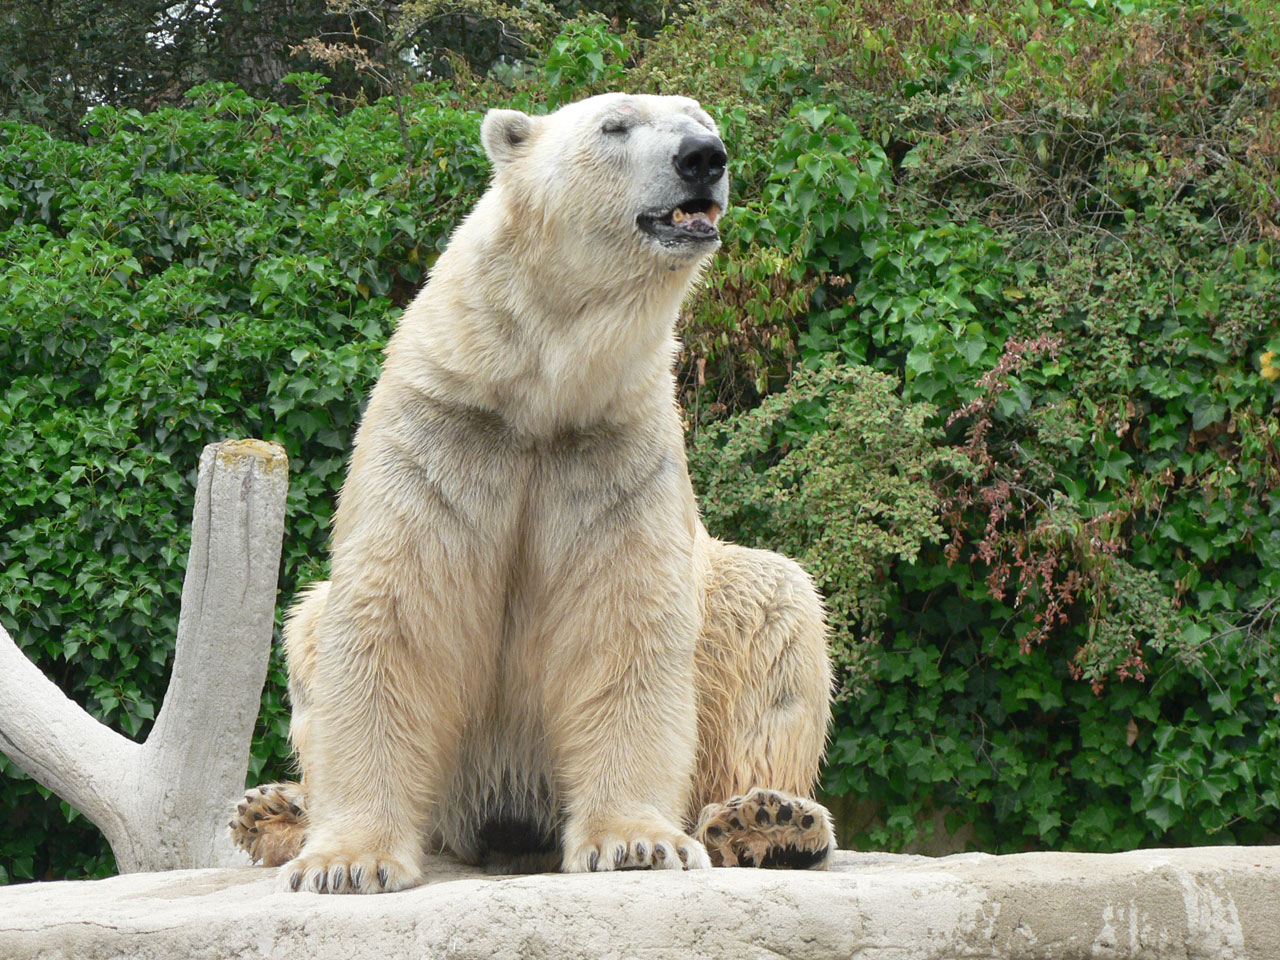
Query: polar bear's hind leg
{"points": [[764, 687], [270, 823]]}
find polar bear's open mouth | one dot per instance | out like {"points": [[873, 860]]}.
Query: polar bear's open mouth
{"points": [[692, 221]]}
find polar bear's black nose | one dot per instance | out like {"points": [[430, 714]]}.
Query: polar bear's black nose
{"points": [[701, 159]]}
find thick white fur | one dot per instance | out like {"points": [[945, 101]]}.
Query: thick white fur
{"points": [[526, 618]]}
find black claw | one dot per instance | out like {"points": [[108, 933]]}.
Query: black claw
{"points": [[619, 855], [322, 882], [641, 850], [784, 813], [258, 815], [241, 808], [593, 862], [659, 852], [231, 824], [357, 877], [339, 881], [714, 831], [735, 823], [295, 880], [295, 809], [793, 858], [762, 815], [806, 821], [383, 877], [683, 854]]}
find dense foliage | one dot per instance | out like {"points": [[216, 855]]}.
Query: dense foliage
{"points": [[1056, 225], [991, 348]]}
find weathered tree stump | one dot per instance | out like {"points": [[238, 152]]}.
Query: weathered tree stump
{"points": [[163, 804]]}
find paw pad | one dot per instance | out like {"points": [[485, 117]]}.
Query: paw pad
{"points": [[765, 828], [270, 823]]}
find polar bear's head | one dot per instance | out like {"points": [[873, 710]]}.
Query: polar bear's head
{"points": [[617, 176]]}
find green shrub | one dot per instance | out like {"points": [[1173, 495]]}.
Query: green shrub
{"points": [[1038, 246], [839, 473]]}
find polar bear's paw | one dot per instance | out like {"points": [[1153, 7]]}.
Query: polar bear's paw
{"points": [[332, 871], [270, 823], [765, 828], [635, 847]]}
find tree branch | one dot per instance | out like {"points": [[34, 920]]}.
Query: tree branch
{"points": [[55, 742], [224, 633]]}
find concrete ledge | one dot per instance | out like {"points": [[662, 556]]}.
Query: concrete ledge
{"points": [[1219, 903]]}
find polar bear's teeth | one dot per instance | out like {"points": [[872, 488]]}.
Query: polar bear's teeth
{"points": [[710, 215]]}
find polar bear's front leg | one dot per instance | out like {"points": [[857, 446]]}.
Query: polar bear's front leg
{"points": [[624, 748], [408, 640], [624, 758], [620, 698], [366, 765], [402, 655]]}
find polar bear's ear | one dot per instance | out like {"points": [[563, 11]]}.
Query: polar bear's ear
{"points": [[506, 135]]}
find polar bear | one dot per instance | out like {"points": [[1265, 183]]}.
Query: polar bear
{"points": [[531, 653]]}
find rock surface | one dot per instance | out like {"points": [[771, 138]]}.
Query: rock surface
{"points": [[1221, 903]]}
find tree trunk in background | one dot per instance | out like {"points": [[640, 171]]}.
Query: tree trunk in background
{"points": [[254, 39]]}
